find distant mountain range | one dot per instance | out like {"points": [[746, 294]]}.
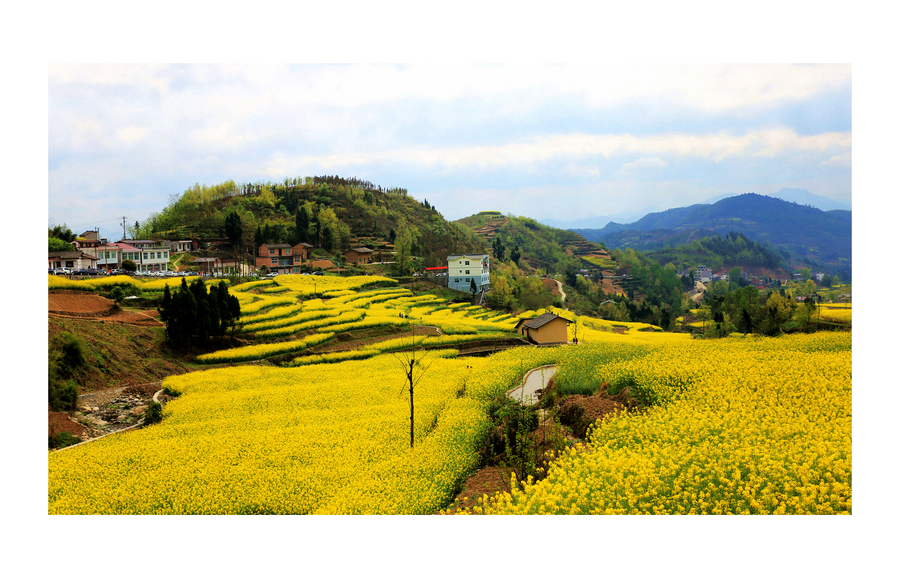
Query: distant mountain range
{"points": [[795, 195], [597, 221], [801, 231], [804, 197]]}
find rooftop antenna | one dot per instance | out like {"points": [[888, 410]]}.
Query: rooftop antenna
{"points": [[123, 228]]}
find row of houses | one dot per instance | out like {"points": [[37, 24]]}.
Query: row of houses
{"points": [[93, 252], [705, 275], [286, 259]]}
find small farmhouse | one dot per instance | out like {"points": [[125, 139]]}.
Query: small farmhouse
{"points": [[359, 256], [546, 329]]}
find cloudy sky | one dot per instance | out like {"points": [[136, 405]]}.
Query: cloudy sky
{"points": [[546, 141]]}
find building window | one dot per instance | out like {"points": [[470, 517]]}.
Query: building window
{"points": [[467, 262], [467, 272]]}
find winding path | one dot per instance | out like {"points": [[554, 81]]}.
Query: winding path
{"points": [[561, 292]]}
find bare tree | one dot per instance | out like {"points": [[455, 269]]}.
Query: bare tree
{"points": [[414, 369]]}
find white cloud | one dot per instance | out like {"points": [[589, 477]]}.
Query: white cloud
{"points": [[209, 123], [131, 133], [713, 87], [844, 159], [716, 147], [645, 164]]}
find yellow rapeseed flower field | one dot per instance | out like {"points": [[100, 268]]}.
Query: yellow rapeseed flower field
{"points": [[327, 439], [750, 426]]}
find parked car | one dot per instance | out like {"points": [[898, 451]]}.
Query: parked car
{"points": [[270, 275]]}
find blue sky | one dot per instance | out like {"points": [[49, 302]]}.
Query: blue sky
{"points": [[545, 141]]}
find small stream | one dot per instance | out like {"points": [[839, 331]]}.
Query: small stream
{"points": [[535, 379]]}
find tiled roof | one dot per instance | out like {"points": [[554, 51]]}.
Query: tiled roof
{"points": [[69, 255], [545, 318], [277, 245], [362, 250]]}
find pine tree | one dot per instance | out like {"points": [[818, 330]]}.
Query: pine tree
{"points": [[302, 225], [258, 239]]}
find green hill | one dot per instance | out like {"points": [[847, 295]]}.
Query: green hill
{"points": [[542, 248], [340, 213]]}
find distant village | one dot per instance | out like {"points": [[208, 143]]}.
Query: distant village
{"points": [[467, 273], [94, 255]]}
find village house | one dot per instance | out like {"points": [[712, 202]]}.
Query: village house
{"points": [[72, 260], [282, 258], [184, 246], [151, 257], [107, 257], [359, 256], [465, 269], [546, 329]]}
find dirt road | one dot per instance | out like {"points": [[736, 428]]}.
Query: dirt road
{"points": [[701, 288]]}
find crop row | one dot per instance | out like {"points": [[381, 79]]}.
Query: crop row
{"points": [[262, 351]]}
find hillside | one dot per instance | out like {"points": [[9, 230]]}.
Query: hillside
{"points": [[544, 249], [328, 212], [805, 234], [719, 251]]}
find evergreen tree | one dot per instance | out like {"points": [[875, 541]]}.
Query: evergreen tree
{"points": [[234, 229], [302, 225], [258, 239], [202, 322], [327, 239]]}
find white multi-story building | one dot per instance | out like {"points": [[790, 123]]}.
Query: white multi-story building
{"points": [[464, 269], [150, 255]]}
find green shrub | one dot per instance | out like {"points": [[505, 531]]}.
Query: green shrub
{"points": [[62, 440], [153, 413], [62, 394], [72, 348]]}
